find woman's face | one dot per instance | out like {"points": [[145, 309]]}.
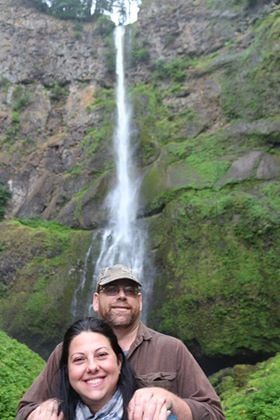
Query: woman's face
{"points": [[93, 369]]}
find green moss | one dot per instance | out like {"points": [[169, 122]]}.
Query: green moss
{"points": [[146, 105], [18, 368], [78, 30], [21, 98], [178, 150], [52, 233], [93, 138], [5, 84], [36, 307], [156, 122], [196, 163], [103, 101], [245, 84], [140, 55], [153, 185], [236, 5], [96, 138], [211, 171], [104, 26], [12, 132], [174, 69], [256, 395], [225, 272], [76, 170], [58, 91], [104, 104], [110, 55], [4, 197], [137, 49]]}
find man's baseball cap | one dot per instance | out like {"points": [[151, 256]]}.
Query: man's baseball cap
{"points": [[116, 272]]}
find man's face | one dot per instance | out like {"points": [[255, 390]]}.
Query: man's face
{"points": [[119, 303]]}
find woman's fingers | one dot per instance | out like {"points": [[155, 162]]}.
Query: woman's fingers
{"points": [[48, 410]]}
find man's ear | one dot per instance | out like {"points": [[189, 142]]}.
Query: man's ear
{"points": [[141, 302], [95, 301]]}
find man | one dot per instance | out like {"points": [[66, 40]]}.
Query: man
{"points": [[173, 380]]}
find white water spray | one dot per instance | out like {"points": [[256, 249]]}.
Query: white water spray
{"points": [[122, 240]]}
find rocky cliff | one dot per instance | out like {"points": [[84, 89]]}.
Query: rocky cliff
{"points": [[203, 80]]}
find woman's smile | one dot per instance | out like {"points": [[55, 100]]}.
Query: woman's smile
{"points": [[93, 368]]}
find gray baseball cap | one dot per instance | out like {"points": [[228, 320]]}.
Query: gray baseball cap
{"points": [[116, 272]]}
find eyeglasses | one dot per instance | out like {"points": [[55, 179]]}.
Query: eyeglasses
{"points": [[114, 290]]}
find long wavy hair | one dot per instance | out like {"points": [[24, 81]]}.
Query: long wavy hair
{"points": [[127, 382]]}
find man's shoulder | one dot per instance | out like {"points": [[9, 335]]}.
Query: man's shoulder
{"points": [[57, 349], [159, 337], [55, 354]]}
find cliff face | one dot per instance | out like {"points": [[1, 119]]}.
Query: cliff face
{"points": [[53, 74], [50, 72], [203, 80]]}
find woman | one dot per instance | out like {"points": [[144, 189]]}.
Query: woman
{"points": [[96, 381]]}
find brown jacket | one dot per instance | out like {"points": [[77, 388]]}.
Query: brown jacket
{"points": [[157, 360]]}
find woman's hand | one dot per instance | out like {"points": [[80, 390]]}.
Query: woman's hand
{"points": [[149, 404], [46, 411]]}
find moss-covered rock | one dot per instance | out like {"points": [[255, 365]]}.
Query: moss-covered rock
{"points": [[219, 270], [213, 194], [40, 266], [18, 368], [250, 392]]}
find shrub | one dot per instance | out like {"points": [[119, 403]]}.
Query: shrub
{"points": [[21, 99], [173, 69], [4, 197], [18, 368], [258, 398]]}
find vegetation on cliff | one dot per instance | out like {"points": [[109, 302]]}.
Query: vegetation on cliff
{"points": [[77, 9], [223, 247], [18, 368], [41, 263], [4, 197], [250, 392], [217, 232]]}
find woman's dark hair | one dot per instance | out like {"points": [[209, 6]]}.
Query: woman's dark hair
{"points": [[68, 396]]}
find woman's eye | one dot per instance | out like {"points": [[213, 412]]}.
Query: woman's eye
{"points": [[102, 355], [78, 360]]}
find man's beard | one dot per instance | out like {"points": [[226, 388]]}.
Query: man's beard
{"points": [[117, 321]]}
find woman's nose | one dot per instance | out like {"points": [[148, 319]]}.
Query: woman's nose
{"points": [[92, 365]]}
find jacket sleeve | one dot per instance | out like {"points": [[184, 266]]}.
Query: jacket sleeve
{"points": [[44, 387], [193, 383]]}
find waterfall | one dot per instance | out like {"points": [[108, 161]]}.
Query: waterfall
{"points": [[123, 240]]}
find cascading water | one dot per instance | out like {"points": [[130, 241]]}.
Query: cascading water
{"points": [[123, 240]]}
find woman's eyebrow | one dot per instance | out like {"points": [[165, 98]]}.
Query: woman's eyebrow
{"points": [[82, 352], [102, 347]]}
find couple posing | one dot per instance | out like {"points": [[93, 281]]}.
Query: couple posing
{"points": [[90, 375]]}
